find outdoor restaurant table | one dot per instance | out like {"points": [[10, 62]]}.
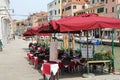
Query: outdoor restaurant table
{"points": [[97, 62], [50, 70]]}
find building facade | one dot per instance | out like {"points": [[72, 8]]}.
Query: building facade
{"points": [[69, 7], [4, 21], [54, 10], [18, 27], [61, 8], [42, 19], [108, 8], [37, 19]]}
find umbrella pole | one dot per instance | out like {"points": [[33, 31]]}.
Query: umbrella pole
{"points": [[32, 39], [87, 55], [69, 45], [101, 35], [87, 46], [80, 39], [113, 67], [54, 36]]}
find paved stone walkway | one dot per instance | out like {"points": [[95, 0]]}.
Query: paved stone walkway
{"points": [[14, 65]]}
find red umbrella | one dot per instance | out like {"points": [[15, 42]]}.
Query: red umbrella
{"points": [[29, 32], [53, 22], [36, 30], [85, 22], [46, 28]]}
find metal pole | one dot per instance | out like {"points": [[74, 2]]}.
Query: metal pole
{"points": [[113, 67], [69, 43], [54, 37], [87, 47], [80, 39]]}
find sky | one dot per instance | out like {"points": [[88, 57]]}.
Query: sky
{"points": [[22, 8]]}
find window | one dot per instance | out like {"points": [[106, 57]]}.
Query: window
{"points": [[63, 1], [58, 1], [112, 9], [50, 12], [97, 1], [59, 11], [91, 11], [106, 1], [93, 1], [62, 10], [74, 7], [106, 10], [102, 0], [100, 10], [69, 0], [22, 24], [17, 24], [55, 12], [68, 8]]}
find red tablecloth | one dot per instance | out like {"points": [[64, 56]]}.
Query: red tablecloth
{"points": [[47, 68]]}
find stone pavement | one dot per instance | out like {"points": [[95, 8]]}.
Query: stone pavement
{"points": [[14, 65]]}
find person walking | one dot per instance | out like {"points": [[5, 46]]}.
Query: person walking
{"points": [[1, 45]]}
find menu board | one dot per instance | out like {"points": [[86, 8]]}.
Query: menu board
{"points": [[84, 52], [53, 51]]}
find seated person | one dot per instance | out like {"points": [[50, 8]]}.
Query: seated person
{"points": [[60, 54], [37, 52], [41, 57], [66, 59], [71, 52], [30, 44], [47, 51], [66, 62]]}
